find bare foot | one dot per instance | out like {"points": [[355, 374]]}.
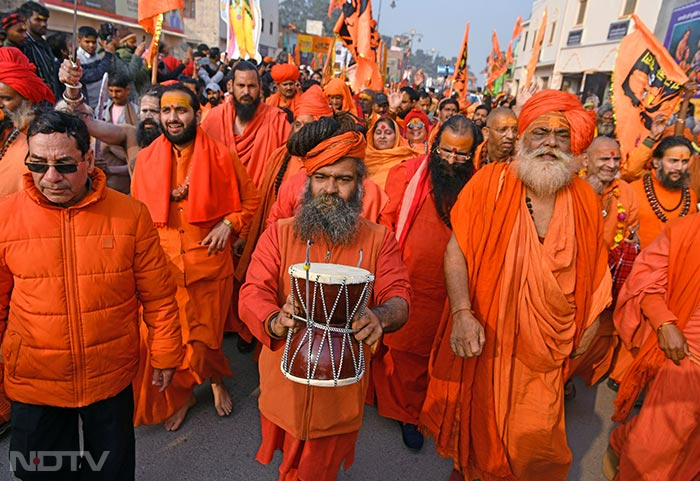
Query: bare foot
{"points": [[174, 421], [222, 399]]}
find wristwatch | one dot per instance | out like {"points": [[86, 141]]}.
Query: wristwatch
{"points": [[227, 223]]}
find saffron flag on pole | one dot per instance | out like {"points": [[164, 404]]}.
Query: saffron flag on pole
{"points": [[517, 30], [534, 58], [150, 9], [357, 30], [459, 82], [496, 63], [647, 82], [335, 5]]}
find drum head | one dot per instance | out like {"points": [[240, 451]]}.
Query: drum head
{"points": [[332, 273]]}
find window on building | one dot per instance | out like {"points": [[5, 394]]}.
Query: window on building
{"points": [[525, 41], [628, 7], [189, 11], [262, 26], [582, 4], [551, 33], [270, 27]]}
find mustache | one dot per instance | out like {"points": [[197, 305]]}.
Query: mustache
{"points": [[542, 151]]}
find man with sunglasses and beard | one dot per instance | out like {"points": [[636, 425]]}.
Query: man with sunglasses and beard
{"points": [[249, 127], [200, 199], [527, 277], [80, 264], [305, 421], [420, 218]]}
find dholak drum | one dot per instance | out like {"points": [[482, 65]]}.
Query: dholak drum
{"points": [[324, 351]]}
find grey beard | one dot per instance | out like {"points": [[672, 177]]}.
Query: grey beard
{"points": [[541, 176], [336, 222], [22, 115], [606, 129]]}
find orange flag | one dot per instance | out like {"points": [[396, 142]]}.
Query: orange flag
{"points": [[534, 58], [517, 30], [646, 82], [334, 5], [150, 9], [497, 64], [459, 82], [357, 30], [328, 66]]}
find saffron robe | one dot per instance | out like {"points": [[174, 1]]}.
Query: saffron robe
{"points": [[276, 100], [12, 166], [310, 412], [267, 131], [400, 372], [664, 286], [599, 358], [500, 415], [204, 287]]}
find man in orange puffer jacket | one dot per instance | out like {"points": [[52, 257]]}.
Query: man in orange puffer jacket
{"points": [[76, 261]]}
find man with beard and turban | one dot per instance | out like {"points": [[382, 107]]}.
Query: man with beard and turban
{"points": [[286, 77], [421, 194], [317, 427], [526, 275], [250, 128], [20, 87], [620, 211], [199, 197], [605, 121], [15, 28], [662, 195], [339, 96], [658, 317], [500, 135]]}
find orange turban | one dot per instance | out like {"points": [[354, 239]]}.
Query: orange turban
{"points": [[17, 72], [282, 72], [582, 121], [313, 102], [349, 144], [337, 86]]}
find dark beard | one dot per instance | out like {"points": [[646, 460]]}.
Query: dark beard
{"points": [[214, 102], [337, 223], [672, 184], [185, 137], [448, 181], [5, 124], [246, 111], [480, 124], [145, 136]]}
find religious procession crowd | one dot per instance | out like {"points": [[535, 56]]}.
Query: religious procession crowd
{"points": [[454, 264]]}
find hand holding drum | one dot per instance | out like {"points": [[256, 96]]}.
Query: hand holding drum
{"points": [[369, 328], [285, 319]]}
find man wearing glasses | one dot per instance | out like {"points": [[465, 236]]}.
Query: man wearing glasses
{"points": [[77, 261], [421, 193]]}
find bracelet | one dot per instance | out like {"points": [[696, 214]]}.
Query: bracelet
{"points": [[649, 141], [680, 121], [268, 327], [227, 223], [664, 324], [74, 101], [460, 310]]}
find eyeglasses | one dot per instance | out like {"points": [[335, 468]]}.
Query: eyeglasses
{"points": [[417, 125], [42, 168], [456, 156]]}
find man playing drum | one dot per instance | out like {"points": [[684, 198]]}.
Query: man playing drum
{"points": [[316, 426]]}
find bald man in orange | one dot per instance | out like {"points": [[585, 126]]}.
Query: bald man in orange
{"points": [[199, 197], [500, 135], [247, 126], [286, 77], [316, 427], [526, 275]]}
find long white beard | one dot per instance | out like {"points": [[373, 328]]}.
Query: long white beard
{"points": [[544, 177]]}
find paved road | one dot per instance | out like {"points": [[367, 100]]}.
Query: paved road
{"points": [[223, 449]]}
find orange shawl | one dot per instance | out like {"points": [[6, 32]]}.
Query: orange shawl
{"points": [[337, 86], [379, 162], [459, 408], [213, 188], [268, 130], [682, 297]]}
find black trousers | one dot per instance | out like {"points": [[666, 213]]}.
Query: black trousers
{"points": [[45, 441]]}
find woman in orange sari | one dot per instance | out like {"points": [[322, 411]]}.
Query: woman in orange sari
{"points": [[417, 131], [385, 149]]}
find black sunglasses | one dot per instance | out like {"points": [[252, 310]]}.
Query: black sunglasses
{"points": [[42, 168]]}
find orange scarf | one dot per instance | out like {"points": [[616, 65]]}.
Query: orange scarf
{"points": [[213, 191], [379, 162]]}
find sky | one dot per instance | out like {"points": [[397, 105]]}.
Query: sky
{"points": [[442, 22]]}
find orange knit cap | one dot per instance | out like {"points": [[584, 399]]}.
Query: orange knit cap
{"points": [[312, 102], [582, 121], [282, 72], [349, 144]]}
